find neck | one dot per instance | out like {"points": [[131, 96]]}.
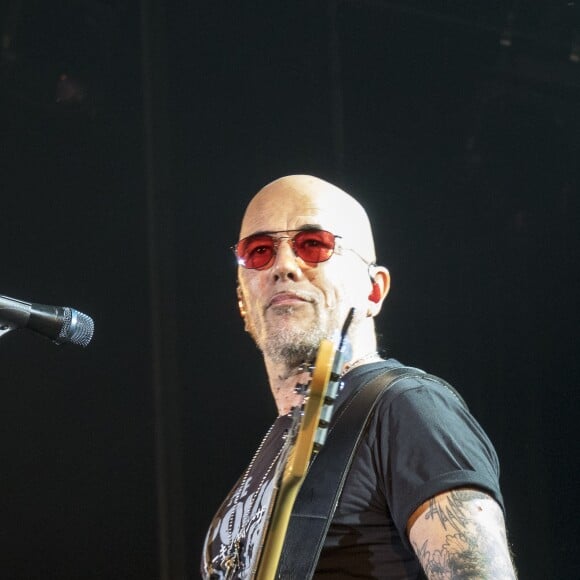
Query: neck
{"points": [[283, 381]]}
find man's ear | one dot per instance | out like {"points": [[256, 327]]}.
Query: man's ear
{"points": [[380, 286], [243, 310], [241, 303]]}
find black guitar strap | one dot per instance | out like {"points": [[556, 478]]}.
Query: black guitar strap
{"points": [[320, 492]]}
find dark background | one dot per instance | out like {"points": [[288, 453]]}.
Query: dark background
{"points": [[132, 135]]}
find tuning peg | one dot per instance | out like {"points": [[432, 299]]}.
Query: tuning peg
{"points": [[305, 368], [296, 412], [320, 439], [301, 388], [326, 414]]}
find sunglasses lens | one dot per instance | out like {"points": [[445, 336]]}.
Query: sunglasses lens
{"points": [[314, 245], [255, 252]]}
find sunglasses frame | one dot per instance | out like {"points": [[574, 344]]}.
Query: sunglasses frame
{"points": [[276, 242]]}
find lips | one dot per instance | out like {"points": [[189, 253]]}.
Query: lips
{"points": [[286, 299]]}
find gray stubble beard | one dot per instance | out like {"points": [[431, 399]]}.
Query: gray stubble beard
{"points": [[293, 346]]}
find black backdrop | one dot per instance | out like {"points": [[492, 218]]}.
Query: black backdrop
{"points": [[127, 126]]}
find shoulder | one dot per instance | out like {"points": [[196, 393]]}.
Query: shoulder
{"points": [[401, 378], [409, 394], [425, 410], [421, 396], [421, 424]]}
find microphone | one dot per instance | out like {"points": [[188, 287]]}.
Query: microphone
{"points": [[60, 324]]}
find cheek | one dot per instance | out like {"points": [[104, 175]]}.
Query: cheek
{"points": [[338, 288], [249, 288], [356, 290], [325, 285], [252, 300], [352, 295]]}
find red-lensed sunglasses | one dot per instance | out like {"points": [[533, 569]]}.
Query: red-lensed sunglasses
{"points": [[257, 252]]}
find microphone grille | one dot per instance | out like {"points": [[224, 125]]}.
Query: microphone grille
{"points": [[77, 328]]}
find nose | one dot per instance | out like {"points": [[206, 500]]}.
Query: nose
{"points": [[286, 264]]}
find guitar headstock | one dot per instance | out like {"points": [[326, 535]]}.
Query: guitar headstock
{"points": [[311, 421]]}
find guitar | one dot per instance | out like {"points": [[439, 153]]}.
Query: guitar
{"points": [[305, 438]]}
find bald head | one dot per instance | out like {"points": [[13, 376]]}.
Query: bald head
{"points": [[295, 201], [291, 304]]}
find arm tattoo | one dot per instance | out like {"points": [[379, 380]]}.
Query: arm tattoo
{"points": [[453, 515], [467, 552]]}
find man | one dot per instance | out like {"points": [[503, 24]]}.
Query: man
{"points": [[422, 496]]}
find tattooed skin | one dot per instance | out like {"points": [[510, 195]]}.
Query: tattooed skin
{"points": [[462, 536]]}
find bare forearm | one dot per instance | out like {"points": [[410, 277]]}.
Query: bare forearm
{"points": [[461, 535]]}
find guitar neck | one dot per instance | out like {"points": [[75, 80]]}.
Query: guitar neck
{"points": [[297, 464]]}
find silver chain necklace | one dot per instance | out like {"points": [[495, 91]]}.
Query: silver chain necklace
{"points": [[230, 562], [359, 361]]}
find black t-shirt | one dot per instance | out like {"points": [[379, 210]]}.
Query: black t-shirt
{"points": [[420, 441], [236, 530]]}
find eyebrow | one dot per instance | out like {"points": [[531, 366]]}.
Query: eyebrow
{"points": [[303, 228]]}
